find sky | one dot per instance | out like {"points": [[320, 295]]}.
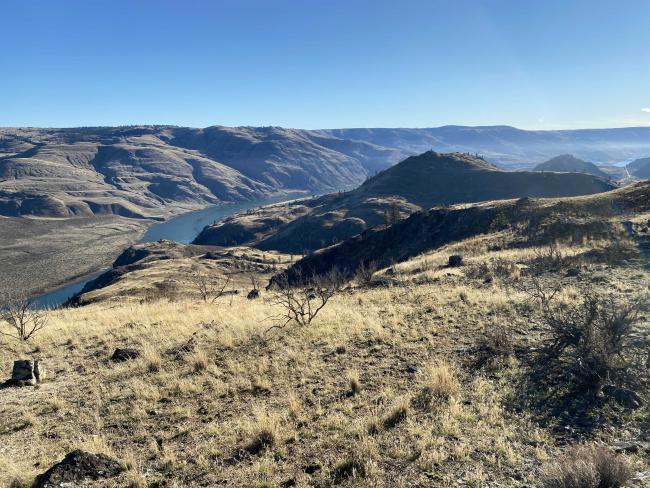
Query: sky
{"points": [[533, 64]]}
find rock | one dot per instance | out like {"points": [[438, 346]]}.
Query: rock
{"points": [[121, 355], [253, 294], [390, 271], [573, 272], [312, 468], [625, 397], [27, 372], [79, 467], [455, 261], [629, 447]]}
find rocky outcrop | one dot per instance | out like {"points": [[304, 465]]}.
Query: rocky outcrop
{"points": [[79, 468]]}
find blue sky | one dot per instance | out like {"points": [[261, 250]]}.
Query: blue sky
{"points": [[325, 64]]}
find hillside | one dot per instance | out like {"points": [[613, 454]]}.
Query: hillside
{"points": [[567, 163], [640, 168], [551, 219], [419, 181], [155, 171], [418, 375]]}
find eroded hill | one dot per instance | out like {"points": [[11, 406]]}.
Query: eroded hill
{"points": [[419, 181]]}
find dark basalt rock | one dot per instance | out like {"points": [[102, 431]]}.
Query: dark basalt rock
{"points": [[121, 355], [253, 294], [455, 261], [79, 467]]}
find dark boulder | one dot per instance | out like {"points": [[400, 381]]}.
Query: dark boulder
{"points": [[623, 396], [79, 467], [455, 261], [120, 355], [253, 294]]}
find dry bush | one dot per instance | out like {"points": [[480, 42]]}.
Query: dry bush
{"points": [[364, 273], [439, 383], [593, 341], [548, 258], [587, 467], [502, 268], [302, 303], [19, 312], [495, 346], [265, 433], [210, 287]]}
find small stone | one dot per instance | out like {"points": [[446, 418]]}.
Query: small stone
{"points": [[455, 261], [312, 468], [629, 447], [253, 294], [124, 354]]}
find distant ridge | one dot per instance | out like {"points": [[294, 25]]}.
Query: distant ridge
{"points": [[567, 163]]}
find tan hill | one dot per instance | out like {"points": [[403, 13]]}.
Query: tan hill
{"points": [[567, 163], [155, 171], [640, 168], [572, 219], [419, 181]]}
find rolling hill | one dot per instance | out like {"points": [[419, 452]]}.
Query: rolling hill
{"points": [[567, 163], [419, 181]]}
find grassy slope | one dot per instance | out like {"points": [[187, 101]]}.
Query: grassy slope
{"points": [[212, 379]]}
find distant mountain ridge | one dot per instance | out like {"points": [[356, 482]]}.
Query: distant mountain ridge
{"points": [[155, 171], [567, 163], [511, 147], [419, 181], [158, 171]]}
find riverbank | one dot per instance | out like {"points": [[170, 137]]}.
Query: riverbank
{"points": [[40, 255], [96, 248]]}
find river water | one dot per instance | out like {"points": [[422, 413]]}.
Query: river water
{"points": [[183, 228]]}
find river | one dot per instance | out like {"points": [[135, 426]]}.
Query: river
{"points": [[183, 228]]}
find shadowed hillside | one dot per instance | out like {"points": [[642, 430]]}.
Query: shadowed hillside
{"points": [[419, 181], [547, 219], [640, 168], [567, 163]]}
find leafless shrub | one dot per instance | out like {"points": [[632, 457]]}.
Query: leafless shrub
{"points": [[302, 302], [587, 467], [548, 258], [20, 313], [209, 287], [593, 341], [364, 273], [502, 268], [505, 268]]}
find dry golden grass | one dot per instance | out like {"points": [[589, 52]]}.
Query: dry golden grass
{"points": [[378, 391]]}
